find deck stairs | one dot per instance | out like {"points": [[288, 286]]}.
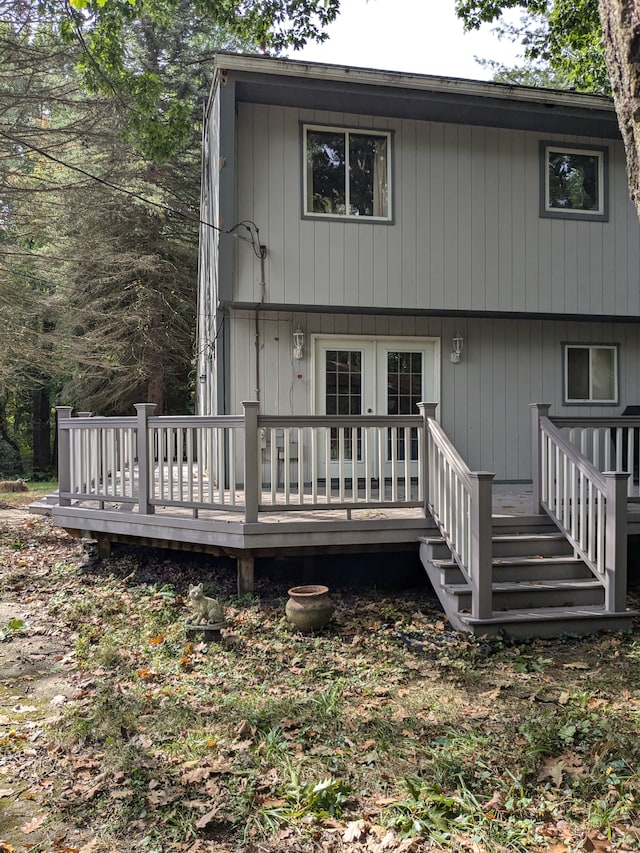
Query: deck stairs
{"points": [[540, 588]]}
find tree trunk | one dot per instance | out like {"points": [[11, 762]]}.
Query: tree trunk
{"points": [[41, 430], [621, 35]]}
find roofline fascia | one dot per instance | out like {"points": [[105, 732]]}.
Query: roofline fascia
{"points": [[419, 82]]}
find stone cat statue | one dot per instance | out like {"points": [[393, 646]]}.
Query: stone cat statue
{"points": [[205, 609], [13, 486]]}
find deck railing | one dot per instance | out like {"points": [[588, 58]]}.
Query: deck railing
{"points": [[588, 505], [460, 502], [609, 443], [246, 464]]}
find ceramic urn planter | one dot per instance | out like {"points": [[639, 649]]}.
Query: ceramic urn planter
{"points": [[309, 607]]}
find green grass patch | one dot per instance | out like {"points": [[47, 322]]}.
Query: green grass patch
{"points": [[385, 729]]}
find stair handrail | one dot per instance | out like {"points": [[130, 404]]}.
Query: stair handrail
{"points": [[588, 507], [460, 501]]}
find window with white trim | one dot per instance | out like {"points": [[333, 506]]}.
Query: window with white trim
{"points": [[573, 181], [347, 173], [591, 373]]}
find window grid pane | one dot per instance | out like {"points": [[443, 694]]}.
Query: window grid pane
{"points": [[343, 384], [404, 392]]}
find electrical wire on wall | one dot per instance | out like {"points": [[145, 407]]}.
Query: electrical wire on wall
{"points": [[262, 284]]}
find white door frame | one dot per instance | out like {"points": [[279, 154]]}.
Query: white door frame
{"points": [[374, 365], [377, 346]]}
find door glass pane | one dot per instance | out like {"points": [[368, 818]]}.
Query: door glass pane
{"points": [[404, 392], [343, 395]]}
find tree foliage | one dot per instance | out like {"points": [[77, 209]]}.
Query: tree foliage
{"points": [[159, 110], [594, 43], [564, 35], [98, 243]]}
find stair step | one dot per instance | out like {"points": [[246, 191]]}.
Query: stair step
{"points": [[524, 568], [549, 622], [532, 546], [563, 592], [540, 588]]}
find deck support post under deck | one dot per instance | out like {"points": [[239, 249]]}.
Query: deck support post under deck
{"points": [[245, 574], [103, 544]]}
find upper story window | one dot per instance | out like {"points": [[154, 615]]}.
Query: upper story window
{"points": [[347, 173], [573, 182], [591, 373]]}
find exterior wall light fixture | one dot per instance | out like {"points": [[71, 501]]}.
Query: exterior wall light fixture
{"points": [[298, 343], [457, 345]]}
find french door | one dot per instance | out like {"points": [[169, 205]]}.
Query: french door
{"points": [[374, 376]]}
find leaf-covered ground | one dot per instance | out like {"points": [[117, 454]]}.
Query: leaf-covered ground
{"points": [[385, 732]]}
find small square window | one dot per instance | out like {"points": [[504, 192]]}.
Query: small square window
{"points": [[591, 373], [573, 182], [346, 173]]}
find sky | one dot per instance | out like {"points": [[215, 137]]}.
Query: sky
{"points": [[420, 36]]}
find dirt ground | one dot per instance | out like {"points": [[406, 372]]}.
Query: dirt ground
{"points": [[37, 677]]}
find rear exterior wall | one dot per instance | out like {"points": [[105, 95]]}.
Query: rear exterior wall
{"points": [[466, 232]]}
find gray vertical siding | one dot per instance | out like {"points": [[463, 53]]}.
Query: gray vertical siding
{"points": [[484, 406], [466, 233], [466, 236]]}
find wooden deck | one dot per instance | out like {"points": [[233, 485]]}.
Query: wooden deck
{"points": [[304, 531], [256, 485]]}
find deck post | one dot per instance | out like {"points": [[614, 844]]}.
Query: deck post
{"points": [[427, 410], [245, 573], [616, 542], [538, 410], [64, 456], [481, 545], [145, 411], [250, 461]]}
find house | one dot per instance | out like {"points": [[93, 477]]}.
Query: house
{"points": [[403, 217], [393, 268]]}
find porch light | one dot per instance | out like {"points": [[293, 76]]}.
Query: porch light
{"points": [[457, 344], [298, 343]]}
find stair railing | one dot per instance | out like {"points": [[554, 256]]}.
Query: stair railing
{"points": [[460, 502], [588, 506]]}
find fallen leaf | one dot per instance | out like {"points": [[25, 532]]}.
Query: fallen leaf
{"points": [[578, 664], [34, 824], [596, 841], [355, 831], [495, 802], [122, 794], [552, 768], [490, 695], [243, 729], [192, 777], [206, 819]]}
